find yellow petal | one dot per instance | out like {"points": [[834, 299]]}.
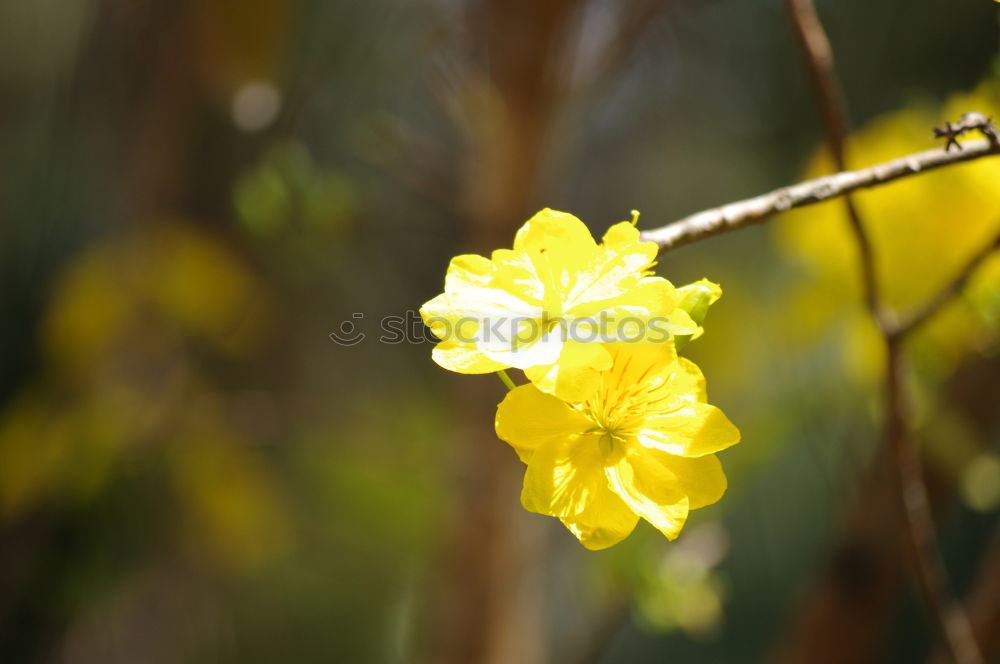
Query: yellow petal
{"points": [[559, 247], [701, 478], [527, 418], [679, 323], [577, 373], [648, 363], [610, 279], [604, 522], [551, 230], [477, 304], [692, 430], [564, 475], [671, 381], [468, 271], [503, 327], [530, 348], [662, 300], [623, 238], [650, 490], [613, 291], [516, 273], [689, 380], [464, 358]]}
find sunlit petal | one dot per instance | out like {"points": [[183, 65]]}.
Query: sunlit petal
{"points": [[528, 418]]}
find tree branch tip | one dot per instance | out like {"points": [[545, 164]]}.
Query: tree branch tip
{"points": [[970, 121]]}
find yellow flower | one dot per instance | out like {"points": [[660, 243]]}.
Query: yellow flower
{"points": [[541, 306], [642, 444]]}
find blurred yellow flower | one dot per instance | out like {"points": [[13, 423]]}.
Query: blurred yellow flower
{"points": [[923, 231], [541, 305], [642, 444]]}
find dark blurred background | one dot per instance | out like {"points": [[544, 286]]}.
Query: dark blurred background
{"points": [[195, 193]]}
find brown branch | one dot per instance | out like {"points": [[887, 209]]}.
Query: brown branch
{"points": [[929, 568], [983, 602], [921, 532], [954, 623], [815, 47], [952, 620], [750, 211]]}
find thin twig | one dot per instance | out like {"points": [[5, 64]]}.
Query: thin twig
{"points": [[946, 294], [950, 617], [929, 569], [921, 532], [953, 621], [983, 602], [750, 211], [815, 47]]}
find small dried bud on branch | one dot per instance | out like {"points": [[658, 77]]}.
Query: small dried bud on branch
{"points": [[969, 122]]}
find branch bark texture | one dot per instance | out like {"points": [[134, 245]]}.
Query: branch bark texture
{"points": [[750, 211]]}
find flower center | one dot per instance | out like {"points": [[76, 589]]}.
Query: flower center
{"points": [[619, 408], [615, 415], [612, 427]]}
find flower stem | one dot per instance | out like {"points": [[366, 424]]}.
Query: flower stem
{"points": [[506, 379]]}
